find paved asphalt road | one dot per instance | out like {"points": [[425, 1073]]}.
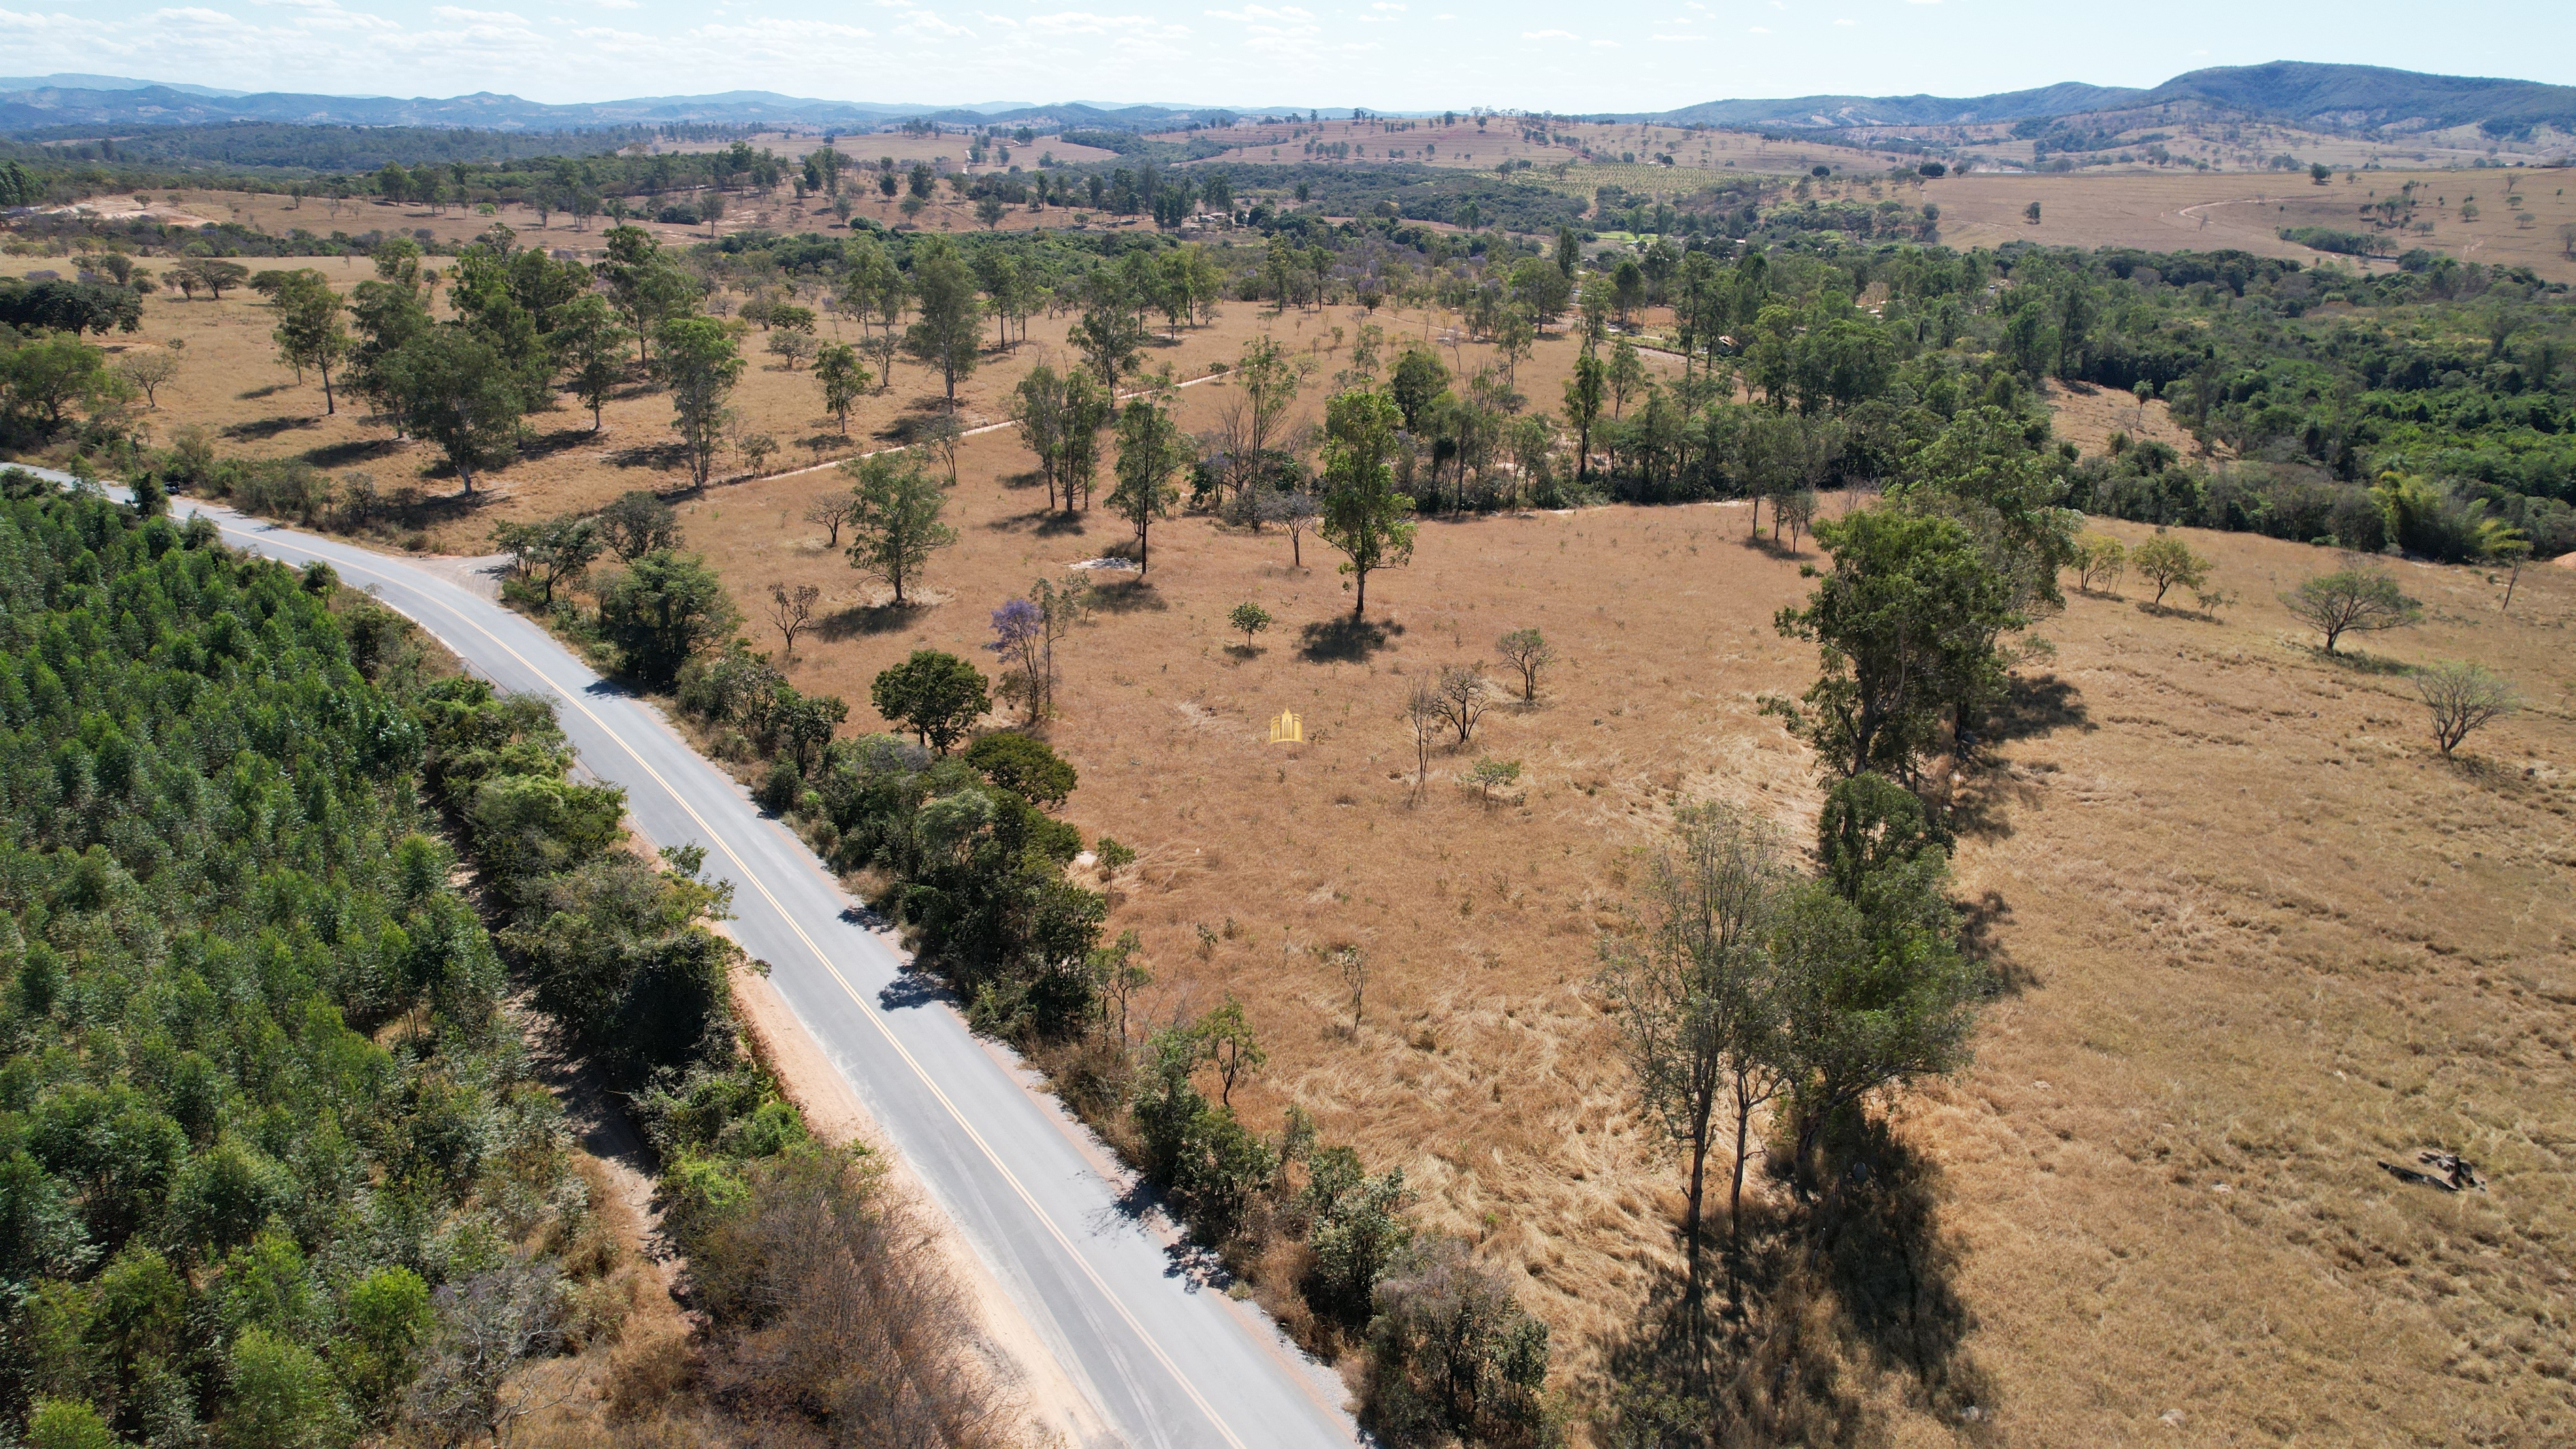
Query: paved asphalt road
{"points": [[1166, 1360]]}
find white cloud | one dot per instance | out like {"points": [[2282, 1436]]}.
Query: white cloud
{"points": [[1847, 22], [1549, 35], [1676, 39], [1760, 30], [1605, 45], [459, 15]]}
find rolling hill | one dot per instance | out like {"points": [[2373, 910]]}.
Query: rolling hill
{"points": [[2345, 98]]}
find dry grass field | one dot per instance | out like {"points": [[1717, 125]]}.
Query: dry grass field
{"points": [[2206, 212], [1462, 144], [2256, 938]]}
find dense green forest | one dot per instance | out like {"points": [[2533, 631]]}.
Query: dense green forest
{"points": [[273, 1166], [263, 1126]]}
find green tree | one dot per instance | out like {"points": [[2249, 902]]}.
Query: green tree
{"points": [[937, 696], [636, 523], [895, 508], [1873, 991], [1038, 408], [309, 329], [664, 608], [1151, 449], [949, 331], [2165, 561], [1023, 765], [454, 389], [1418, 379], [1584, 393], [387, 1320], [1903, 627], [2347, 601], [699, 366], [67, 1424], [282, 1397], [589, 350], [1248, 619], [1109, 337], [838, 370], [550, 552], [54, 372], [1363, 514], [645, 285], [1697, 993]]}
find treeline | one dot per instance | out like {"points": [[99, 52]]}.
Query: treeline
{"points": [[314, 150], [2454, 388]]}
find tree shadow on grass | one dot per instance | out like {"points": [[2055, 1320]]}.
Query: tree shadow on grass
{"points": [[540, 445], [2356, 661], [862, 621], [2036, 705], [1345, 640], [1850, 1301], [1980, 931], [355, 450], [262, 429], [650, 455], [1129, 596]]}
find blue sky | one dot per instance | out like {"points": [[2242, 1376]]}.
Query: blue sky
{"points": [[1389, 54]]}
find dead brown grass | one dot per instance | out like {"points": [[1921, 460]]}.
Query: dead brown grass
{"points": [[2222, 869], [2207, 211]]}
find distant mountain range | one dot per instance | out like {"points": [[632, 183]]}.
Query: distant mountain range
{"points": [[2346, 98], [58, 101], [2314, 97]]}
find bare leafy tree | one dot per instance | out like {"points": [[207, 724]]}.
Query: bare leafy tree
{"points": [[828, 513], [1424, 711], [791, 609], [1352, 963], [2348, 601], [1295, 511], [1263, 385], [1697, 992], [1464, 697], [487, 1325], [1528, 651], [2463, 697]]}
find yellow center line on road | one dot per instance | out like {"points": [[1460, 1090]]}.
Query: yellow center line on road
{"points": [[874, 1017]]}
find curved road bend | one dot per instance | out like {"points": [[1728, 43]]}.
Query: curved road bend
{"points": [[1168, 1362]]}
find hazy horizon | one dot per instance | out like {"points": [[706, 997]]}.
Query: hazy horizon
{"points": [[1380, 54]]}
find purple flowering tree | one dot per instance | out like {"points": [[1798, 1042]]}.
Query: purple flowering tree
{"points": [[1020, 637]]}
